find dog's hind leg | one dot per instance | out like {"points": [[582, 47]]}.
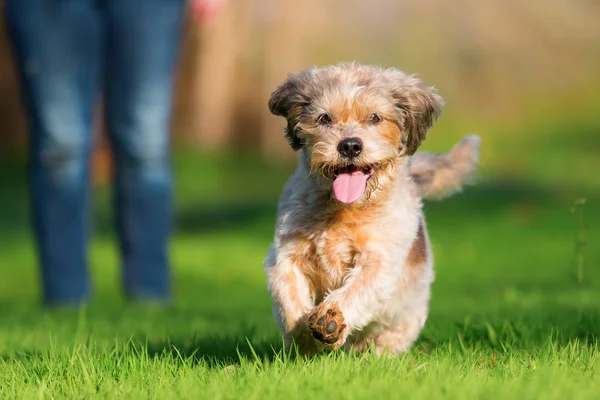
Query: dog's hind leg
{"points": [[401, 337]]}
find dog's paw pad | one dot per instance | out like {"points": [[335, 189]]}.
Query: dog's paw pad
{"points": [[331, 327], [326, 325]]}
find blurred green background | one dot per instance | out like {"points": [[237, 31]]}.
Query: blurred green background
{"points": [[522, 75]]}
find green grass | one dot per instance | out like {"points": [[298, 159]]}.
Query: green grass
{"points": [[508, 318]]}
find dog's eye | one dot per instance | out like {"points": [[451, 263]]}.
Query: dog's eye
{"points": [[374, 118], [324, 119]]}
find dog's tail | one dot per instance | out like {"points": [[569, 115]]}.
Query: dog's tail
{"points": [[440, 175]]}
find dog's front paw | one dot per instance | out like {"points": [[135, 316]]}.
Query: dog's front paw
{"points": [[326, 323]]}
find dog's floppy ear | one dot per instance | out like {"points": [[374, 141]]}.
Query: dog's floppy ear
{"points": [[287, 101], [419, 106]]}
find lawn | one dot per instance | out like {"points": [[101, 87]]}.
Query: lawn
{"points": [[508, 316]]}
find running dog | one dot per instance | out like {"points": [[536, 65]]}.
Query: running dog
{"points": [[351, 263]]}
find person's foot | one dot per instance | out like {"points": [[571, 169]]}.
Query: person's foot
{"points": [[150, 302], [65, 304]]}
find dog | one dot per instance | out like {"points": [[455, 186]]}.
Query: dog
{"points": [[351, 262]]}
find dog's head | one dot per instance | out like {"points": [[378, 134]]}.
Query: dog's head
{"points": [[354, 122]]}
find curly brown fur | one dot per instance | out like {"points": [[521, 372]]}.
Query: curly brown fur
{"points": [[412, 105]]}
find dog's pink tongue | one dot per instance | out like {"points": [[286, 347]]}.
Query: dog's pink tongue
{"points": [[350, 186]]}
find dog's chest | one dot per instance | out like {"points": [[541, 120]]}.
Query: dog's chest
{"points": [[337, 247]]}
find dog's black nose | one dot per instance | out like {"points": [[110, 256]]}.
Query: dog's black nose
{"points": [[350, 147]]}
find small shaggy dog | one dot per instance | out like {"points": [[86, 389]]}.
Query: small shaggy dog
{"points": [[351, 263]]}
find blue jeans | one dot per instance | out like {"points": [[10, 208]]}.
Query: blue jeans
{"points": [[68, 51]]}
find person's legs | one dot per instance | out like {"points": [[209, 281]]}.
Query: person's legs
{"points": [[142, 43], [56, 47]]}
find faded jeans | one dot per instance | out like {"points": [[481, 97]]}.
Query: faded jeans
{"points": [[68, 52]]}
